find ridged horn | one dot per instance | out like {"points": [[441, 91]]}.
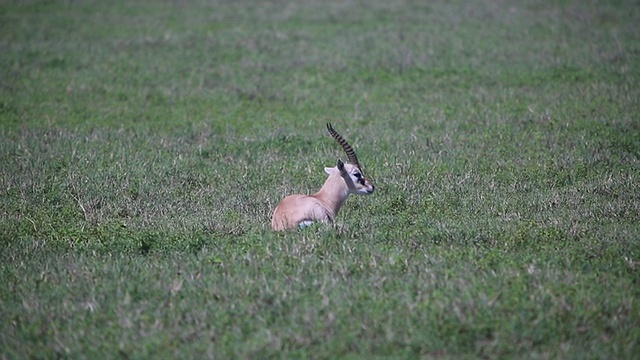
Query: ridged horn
{"points": [[345, 145]]}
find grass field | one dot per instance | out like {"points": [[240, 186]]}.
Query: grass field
{"points": [[144, 145]]}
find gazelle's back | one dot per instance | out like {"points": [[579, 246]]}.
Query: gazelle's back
{"points": [[296, 209]]}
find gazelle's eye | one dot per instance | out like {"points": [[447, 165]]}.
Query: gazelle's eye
{"points": [[357, 175]]}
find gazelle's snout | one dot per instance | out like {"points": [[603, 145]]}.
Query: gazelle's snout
{"points": [[369, 188]]}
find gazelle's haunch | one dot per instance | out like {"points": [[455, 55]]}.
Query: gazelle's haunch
{"points": [[344, 179]]}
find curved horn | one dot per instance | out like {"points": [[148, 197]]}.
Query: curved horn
{"points": [[345, 145]]}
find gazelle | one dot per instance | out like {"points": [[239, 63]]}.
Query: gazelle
{"points": [[344, 179]]}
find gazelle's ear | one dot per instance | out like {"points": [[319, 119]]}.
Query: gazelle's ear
{"points": [[340, 165], [328, 170]]}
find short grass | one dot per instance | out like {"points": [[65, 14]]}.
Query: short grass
{"points": [[144, 145]]}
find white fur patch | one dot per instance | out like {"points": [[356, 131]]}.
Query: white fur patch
{"points": [[304, 224]]}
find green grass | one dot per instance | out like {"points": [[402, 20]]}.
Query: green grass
{"points": [[144, 145]]}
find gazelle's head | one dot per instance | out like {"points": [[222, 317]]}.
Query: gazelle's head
{"points": [[351, 171]]}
